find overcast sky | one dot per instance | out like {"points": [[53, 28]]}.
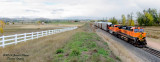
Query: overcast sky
{"points": [[73, 8]]}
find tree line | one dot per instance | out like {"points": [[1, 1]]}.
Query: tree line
{"points": [[149, 17]]}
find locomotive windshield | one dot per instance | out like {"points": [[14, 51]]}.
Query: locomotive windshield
{"points": [[136, 30], [141, 30]]}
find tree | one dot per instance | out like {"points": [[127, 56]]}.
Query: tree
{"points": [[123, 20], [140, 18], [109, 20], [130, 20], [2, 25], [113, 20], [159, 18], [150, 19], [39, 22], [153, 13]]}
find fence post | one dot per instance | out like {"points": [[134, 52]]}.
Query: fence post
{"points": [[42, 33], [24, 36], [48, 32], [59, 30], [32, 35], [37, 35], [15, 39], [55, 31], [3, 42]]}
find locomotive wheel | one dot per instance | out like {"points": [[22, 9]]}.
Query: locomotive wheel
{"points": [[118, 36], [135, 44], [128, 40]]}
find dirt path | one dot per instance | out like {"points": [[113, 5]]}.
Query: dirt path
{"points": [[39, 50], [153, 37], [153, 43]]}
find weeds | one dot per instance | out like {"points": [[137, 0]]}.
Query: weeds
{"points": [[85, 46], [75, 52], [103, 52], [59, 51]]}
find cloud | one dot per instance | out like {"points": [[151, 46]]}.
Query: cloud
{"points": [[29, 10], [72, 8], [55, 11]]}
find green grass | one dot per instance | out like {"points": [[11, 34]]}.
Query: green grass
{"points": [[84, 47]]}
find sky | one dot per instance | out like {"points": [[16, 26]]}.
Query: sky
{"points": [[60, 9]]}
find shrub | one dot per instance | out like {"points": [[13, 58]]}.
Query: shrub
{"points": [[103, 52], [75, 52], [60, 55], [59, 51]]}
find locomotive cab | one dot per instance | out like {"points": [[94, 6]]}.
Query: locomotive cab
{"points": [[138, 35]]}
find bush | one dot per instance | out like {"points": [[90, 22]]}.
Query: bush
{"points": [[60, 55], [59, 51], [103, 52], [75, 52]]}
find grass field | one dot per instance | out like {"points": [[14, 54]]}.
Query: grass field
{"points": [[27, 28], [153, 31], [77, 45], [85, 46]]}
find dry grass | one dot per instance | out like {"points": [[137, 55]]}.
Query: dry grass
{"points": [[19, 28], [152, 31], [39, 50]]}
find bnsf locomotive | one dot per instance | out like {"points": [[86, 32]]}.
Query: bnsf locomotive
{"points": [[133, 35]]}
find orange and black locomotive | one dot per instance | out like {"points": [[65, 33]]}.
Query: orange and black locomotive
{"points": [[131, 34]]}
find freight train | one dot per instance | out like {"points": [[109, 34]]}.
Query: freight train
{"points": [[133, 35]]}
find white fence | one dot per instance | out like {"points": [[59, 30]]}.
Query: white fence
{"points": [[14, 39]]}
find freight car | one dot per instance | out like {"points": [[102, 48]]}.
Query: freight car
{"points": [[103, 25], [133, 35]]}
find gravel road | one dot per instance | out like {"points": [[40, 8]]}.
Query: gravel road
{"points": [[139, 53]]}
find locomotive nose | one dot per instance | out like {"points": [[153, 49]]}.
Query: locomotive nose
{"points": [[141, 37]]}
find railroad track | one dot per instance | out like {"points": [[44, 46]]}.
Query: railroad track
{"points": [[152, 51]]}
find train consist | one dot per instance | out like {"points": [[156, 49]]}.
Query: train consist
{"points": [[134, 35]]}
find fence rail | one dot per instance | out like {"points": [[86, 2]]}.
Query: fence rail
{"points": [[14, 39]]}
